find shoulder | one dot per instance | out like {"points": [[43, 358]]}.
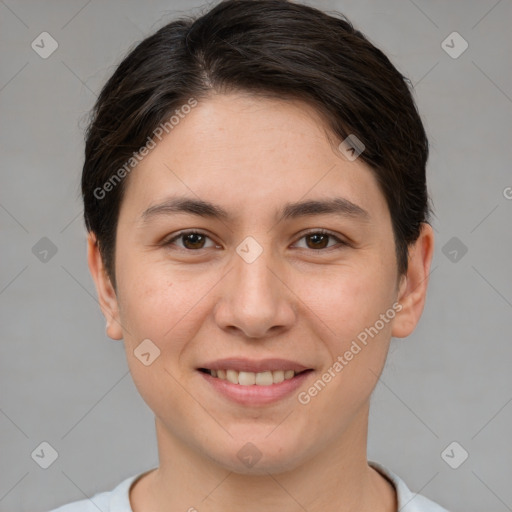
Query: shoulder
{"points": [[408, 501], [117, 500], [99, 501]]}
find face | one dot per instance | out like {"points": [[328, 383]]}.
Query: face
{"points": [[257, 283]]}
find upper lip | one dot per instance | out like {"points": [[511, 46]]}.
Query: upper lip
{"points": [[253, 365]]}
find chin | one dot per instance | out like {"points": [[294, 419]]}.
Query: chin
{"points": [[259, 456]]}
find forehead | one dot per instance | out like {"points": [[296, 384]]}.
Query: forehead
{"points": [[249, 152]]}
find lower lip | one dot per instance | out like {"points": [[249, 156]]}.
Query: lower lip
{"points": [[256, 395]]}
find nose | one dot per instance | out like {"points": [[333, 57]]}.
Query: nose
{"points": [[255, 300]]}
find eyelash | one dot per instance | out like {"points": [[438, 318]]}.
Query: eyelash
{"points": [[181, 234]]}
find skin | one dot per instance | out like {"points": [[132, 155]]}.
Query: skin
{"points": [[295, 301]]}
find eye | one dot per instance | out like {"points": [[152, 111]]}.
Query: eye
{"points": [[319, 240], [192, 240], [195, 240]]}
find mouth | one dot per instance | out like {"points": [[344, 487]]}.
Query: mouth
{"points": [[245, 378], [254, 383]]}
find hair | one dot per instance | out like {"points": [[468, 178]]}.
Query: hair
{"points": [[273, 48]]}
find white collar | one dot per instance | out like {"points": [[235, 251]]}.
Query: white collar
{"points": [[408, 501]]}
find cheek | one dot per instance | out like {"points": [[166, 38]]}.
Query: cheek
{"points": [[151, 300], [158, 307], [350, 299], [163, 304], [149, 306], [348, 319]]}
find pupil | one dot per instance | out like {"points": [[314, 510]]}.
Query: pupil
{"points": [[316, 238], [193, 238]]}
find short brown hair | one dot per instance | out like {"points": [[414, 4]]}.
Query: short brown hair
{"points": [[274, 48]]}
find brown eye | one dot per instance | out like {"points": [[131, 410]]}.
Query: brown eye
{"points": [[318, 240], [190, 240], [193, 240]]}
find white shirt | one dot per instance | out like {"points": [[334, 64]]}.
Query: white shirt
{"points": [[118, 500]]}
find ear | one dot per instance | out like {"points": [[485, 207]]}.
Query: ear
{"points": [[106, 294], [413, 285]]}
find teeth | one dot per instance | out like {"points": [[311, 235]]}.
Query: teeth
{"points": [[266, 378], [247, 378], [232, 376], [278, 376]]}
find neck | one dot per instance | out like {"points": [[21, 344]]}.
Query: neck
{"points": [[335, 479]]}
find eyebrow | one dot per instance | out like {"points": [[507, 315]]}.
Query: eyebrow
{"points": [[336, 205]]}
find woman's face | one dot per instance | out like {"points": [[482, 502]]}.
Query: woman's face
{"points": [[258, 288]]}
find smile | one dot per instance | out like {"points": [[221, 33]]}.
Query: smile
{"points": [[264, 378], [254, 389]]}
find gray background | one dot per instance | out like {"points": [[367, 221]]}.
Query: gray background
{"points": [[65, 382]]}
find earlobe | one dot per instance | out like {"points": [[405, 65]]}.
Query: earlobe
{"points": [[413, 286], [106, 294]]}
